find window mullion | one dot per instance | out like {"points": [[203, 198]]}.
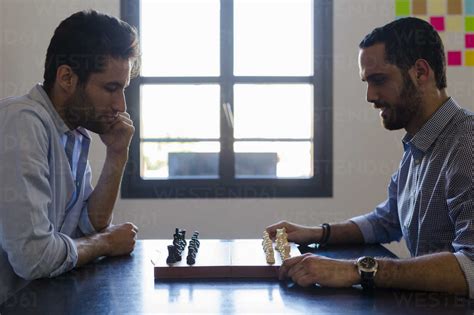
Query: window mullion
{"points": [[226, 157]]}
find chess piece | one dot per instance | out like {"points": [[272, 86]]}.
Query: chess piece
{"points": [[179, 240], [172, 255], [267, 245], [282, 243], [193, 249], [176, 249]]}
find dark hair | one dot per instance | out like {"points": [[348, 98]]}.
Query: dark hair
{"points": [[85, 40], [407, 40]]}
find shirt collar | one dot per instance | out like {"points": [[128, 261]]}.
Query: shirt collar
{"points": [[431, 130], [38, 94]]}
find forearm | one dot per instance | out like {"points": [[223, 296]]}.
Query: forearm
{"points": [[436, 272], [90, 248], [346, 232], [102, 200]]}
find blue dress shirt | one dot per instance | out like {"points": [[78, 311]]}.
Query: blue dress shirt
{"points": [[46, 182], [431, 196]]}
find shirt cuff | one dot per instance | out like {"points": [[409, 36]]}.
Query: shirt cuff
{"points": [[467, 266], [85, 224], [366, 228], [71, 257]]}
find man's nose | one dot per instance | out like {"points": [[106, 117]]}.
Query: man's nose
{"points": [[372, 95], [120, 104]]}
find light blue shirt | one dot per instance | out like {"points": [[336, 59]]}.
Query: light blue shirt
{"points": [[431, 196], [43, 196]]}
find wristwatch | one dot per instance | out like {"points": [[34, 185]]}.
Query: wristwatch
{"points": [[367, 267]]}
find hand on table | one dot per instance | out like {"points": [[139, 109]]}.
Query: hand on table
{"points": [[296, 233], [120, 239], [309, 269]]}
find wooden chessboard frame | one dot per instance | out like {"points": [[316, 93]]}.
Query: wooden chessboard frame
{"points": [[239, 258]]}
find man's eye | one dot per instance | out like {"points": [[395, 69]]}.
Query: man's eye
{"points": [[111, 88], [379, 81]]}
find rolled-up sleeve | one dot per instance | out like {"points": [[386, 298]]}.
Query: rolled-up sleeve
{"points": [[460, 200], [463, 243], [34, 248], [382, 225]]}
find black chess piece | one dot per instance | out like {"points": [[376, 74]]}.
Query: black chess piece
{"points": [[179, 240], [193, 249], [194, 238], [171, 255], [191, 259]]}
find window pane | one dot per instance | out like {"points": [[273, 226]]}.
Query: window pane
{"points": [[273, 37], [170, 160], [273, 111], [180, 111], [180, 37], [288, 159]]}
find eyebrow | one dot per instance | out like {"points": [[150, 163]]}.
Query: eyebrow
{"points": [[117, 84], [374, 76]]}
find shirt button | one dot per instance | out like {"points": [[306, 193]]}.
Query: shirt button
{"points": [[417, 161]]}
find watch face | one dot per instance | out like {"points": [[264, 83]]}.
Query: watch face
{"points": [[367, 263]]}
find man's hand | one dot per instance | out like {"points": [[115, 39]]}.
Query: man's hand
{"points": [[309, 269], [117, 138], [120, 239], [297, 233], [114, 240]]}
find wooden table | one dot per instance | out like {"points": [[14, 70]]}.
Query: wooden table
{"points": [[126, 285]]}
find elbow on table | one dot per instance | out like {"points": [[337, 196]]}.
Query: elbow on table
{"points": [[30, 270], [30, 262]]}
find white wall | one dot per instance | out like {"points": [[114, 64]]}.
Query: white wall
{"points": [[365, 154], [2, 12]]}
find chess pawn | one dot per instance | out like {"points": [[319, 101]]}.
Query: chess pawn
{"points": [[285, 252], [190, 260], [171, 255], [192, 251], [270, 258], [195, 239]]}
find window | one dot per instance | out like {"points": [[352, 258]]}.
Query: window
{"points": [[234, 99]]}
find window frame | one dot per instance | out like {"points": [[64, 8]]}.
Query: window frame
{"points": [[227, 186]]}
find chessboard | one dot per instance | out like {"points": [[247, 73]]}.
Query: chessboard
{"points": [[239, 258]]}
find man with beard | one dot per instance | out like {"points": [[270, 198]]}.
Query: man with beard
{"points": [[51, 218], [430, 197]]}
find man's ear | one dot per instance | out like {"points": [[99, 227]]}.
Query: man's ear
{"points": [[422, 71], [66, 79]]}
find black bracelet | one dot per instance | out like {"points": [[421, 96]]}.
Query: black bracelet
{"points": [[322, 236], [326, 233]]}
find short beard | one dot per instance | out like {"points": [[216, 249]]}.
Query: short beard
{"points": [[79, 111], [407, 108]]}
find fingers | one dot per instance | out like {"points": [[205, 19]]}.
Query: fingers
{"points": [[133, 226], [123, 118], [288, 264], [304, 280], [133, 229], [272, 228], [124, 114], [301, 276]]}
